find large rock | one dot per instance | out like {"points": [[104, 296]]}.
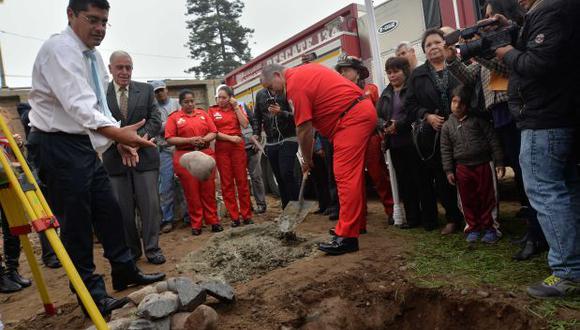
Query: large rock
{"points": [[161, 286], [158, 305], [141, 324], [127, 311], [120, 324], [190, 295], [137, 296], [178, 321], [163, 324], [219, 290], [198, 164], [202, 318]]}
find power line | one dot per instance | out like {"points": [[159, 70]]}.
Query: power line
{"points": [[109, 50]]}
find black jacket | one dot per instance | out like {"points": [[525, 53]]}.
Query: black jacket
{"points": [[141, 106], [277, 127], [385, 111], [423, 96], [542, 84]]}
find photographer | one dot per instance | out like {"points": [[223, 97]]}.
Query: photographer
{"points": [[484, 73], [542, 91], [273, 115]]}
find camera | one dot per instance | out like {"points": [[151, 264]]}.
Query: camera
{"points": [[488, 41]]}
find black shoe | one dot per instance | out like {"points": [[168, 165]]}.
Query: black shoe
{"points": [[391, 221], [339, 245], [406, 226], [333, 216], [157, 259], [248, 222], [166, 227], [260, 209], [520, 241], [15, 277], [530, 250], [7, 285], [122, 280], [109, 304], [195, 232], [235, 223], [52, 262], [217, 228]]}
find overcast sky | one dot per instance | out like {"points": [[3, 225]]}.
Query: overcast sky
{"points": [[152, 31]]}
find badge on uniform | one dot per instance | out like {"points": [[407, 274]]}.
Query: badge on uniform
{"points": [[202, 118], [217, 116], [180, 121]]}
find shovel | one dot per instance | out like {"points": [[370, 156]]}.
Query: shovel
{"points": [[296, 211]]}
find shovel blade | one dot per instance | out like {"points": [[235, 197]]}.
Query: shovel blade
{"points": [[294, 213]]}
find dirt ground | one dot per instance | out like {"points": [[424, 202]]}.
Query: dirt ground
{"points": [[370, 289]]}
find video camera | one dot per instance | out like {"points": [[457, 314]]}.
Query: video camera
{"points": [[489, 40]]}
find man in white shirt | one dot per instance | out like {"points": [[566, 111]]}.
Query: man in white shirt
{"points": [[70, 123]]}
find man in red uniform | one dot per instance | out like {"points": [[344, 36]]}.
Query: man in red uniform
{"points": [[336, 107]]}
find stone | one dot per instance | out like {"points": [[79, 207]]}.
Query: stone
{"points": [[198, 164], [190, 295], [202, 318], [158, 305], [141, 324], [137, 296], [161, 286], [120, 324], [163, 324], [178, 321], [464, 292], [127, 311], [483, 294], [219, 290]]}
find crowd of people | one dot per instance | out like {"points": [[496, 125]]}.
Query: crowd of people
{"points": [[107, 151]]}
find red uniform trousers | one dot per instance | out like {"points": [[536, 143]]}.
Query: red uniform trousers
{"points": [[379, 173], [351, 136], [231, 163], [200, 195], [477, 195]]}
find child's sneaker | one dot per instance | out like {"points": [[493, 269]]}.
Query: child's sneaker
{"points": [[472, 237], [490, 237]]}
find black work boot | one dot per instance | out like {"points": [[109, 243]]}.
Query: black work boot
{"points": [[6, 285]]}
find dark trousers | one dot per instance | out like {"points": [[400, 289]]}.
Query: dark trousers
{"points": [[334, 204], [407, 164], [282, 159], [81, 193], [139, 190], [434, 185], [319, 179], [11, 245], [478, 195]]}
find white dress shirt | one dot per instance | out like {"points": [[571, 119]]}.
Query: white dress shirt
{"points": [[62, 98]]}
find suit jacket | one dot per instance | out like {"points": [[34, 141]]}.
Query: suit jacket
{"points": [[141, 105]]}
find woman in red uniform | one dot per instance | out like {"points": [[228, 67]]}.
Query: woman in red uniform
{"points": [[353, 69], [191, 129], [230, 154]]}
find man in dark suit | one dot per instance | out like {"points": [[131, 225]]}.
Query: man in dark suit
{"points": [[135, 183]]}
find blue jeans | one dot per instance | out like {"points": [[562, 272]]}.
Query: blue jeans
{"points": [[552, 184], [166, 185]]}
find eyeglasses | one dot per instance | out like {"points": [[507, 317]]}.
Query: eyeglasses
{"points": [[94, 21]]}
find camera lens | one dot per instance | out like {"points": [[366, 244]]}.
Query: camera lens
{"points": [[470, 49]]}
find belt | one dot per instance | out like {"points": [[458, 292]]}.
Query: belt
{"points": [[355, 102], [59, 133]]}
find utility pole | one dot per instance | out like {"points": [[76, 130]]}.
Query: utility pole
{"points": [[2, 73]]}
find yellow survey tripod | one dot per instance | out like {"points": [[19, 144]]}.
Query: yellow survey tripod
{"points": [[25, 208]]}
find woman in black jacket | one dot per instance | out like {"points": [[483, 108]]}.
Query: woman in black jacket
{"points": [[395, 124], [428, 103]]}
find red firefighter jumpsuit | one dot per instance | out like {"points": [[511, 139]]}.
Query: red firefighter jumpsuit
{"points": [[375, 161], [321, 95], [200, 195], [231, 163]]}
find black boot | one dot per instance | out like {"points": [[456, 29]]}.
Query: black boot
{"points": [[14, 276], [530, 250], [7, 285], [521, 240], [339, 245], [126, 275]]}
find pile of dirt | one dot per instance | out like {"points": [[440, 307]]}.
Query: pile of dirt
{"points": [[238, 255]]}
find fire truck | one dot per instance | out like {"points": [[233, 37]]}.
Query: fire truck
{"points": [[347, 31]]}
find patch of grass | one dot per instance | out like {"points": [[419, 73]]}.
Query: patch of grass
{"points": [[440, 261]]}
